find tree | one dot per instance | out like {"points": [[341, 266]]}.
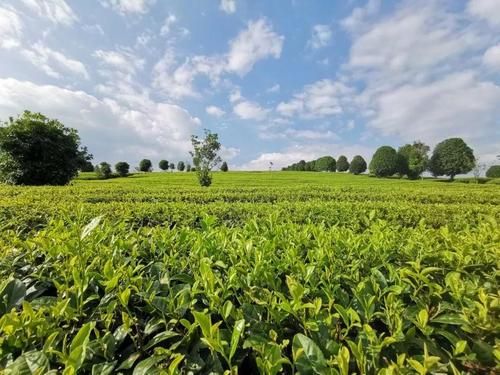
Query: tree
{"points": [[224, 167], [358, 165], [205, 156], [163, 164], [325, 164], [171, 166], [122, 168], [145, 165], [103, 170], [384, 162], [413, 160], [188, 167], [493, 171], [301, 166], [342, 164], [452, 157], [87, 166], [36, 150], [181, 166]]}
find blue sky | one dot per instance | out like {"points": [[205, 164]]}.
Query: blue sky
{"points": [[278, 80]]}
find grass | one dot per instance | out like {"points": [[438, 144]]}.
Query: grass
{"points": [[264, 272]]}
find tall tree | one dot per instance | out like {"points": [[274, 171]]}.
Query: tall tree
{"points": [[451, 157], [205, 156], [384, 162], [36, 150], [415, 159], [342, 164]]}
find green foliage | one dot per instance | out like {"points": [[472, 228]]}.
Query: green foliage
{"points": [[103, 171], [181, 166], [171, 166], [333, 274], [413, 160], [87, 166], [342, 164], [205, 156], [358, 165], [224, 167], [122, 168], [36, 150], [145, 165], [323, 164], [188, 167], [493, 171], [384, 162], [163, 164], [452, 157]]}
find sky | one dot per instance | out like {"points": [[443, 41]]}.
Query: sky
{"points": [[278, 80]]}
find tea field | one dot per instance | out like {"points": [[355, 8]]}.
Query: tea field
{"points": [[270, 273]]}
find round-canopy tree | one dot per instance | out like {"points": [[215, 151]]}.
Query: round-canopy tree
{"points": [[342, 164], [413, 159], [358, 165], [493, 171], [145, 165], [171, 166], [36, 150], [325, 164], [452, 157], [103, 170], [224, 167], [384, 162], [122, 168], [163, 164], [181, 166]]}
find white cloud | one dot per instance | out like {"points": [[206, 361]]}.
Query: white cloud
{"points": [[247, 110], [112, 130], [11, 28], [53, 62], [129, 6], [215, 111], [257, 42], [124, 61], [359, 15], [167, 25], [491, 57], [228, 6], [321, 36], [57, 11], [235, 96], [320, 99], [274, 88], [228, 153], [488, 10]]}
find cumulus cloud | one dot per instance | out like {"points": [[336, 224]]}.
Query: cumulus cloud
{"points": [[247, 110], [215, 111], [228, 6], [258, 41], [321, 36], [112, 130], [11, 28], [124, 61], [320, 99], [129, 6], [488, 10], [491, 57], [56, 11], [52, 62]]}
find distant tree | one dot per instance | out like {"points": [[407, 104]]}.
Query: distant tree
{"points": [[205, 156], [163, 164], [171, 166], [342, 164], [493, 171], [36, 150], [145, 165], [103, 170], [384, 162], [188, 167], [452, 157], [181, 166], [193, 169], [325, 164], [413, 159], [301, 166], [310, 166], [358, 165], [224, 167], [87, 166], [122, 168]]}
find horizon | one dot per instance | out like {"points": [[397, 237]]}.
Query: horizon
{"points": [[277, 81]]}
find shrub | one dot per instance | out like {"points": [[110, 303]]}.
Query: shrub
{"points": [[358, 165], [384, 162], [122, 168], [342, 164], [36, 150], [452, 157], [493, 171]]}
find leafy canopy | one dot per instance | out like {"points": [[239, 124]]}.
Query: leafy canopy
{"points": [[451, 157], [224, 167], [415, 159], [342, 164], [145, 165], [163, 164], [36, 150], [122, 168], [384, 162], [205, 156], [358, 165]]}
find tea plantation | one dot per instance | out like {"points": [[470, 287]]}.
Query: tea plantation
{"points": [[271, 272]]}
